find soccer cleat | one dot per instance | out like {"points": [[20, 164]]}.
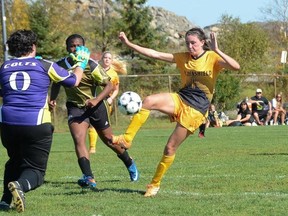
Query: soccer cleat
{"points": [[133, 171], [120, 140], [4, 206], [87, 182], [152, 190], [18, 196]]}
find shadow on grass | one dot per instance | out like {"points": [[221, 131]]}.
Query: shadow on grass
{"points": [[120, 190], [83, 191], [57, 183], [87, 190], [268, 154]]}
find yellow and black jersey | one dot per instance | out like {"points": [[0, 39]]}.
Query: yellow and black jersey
{"points": [[92, 77], [198, 78], [113, 75]]}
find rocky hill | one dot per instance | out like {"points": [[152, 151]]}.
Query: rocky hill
{"points": [[165, 21], [170, 23]]}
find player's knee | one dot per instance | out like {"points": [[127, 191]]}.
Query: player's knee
{"points": [[148, 102]]}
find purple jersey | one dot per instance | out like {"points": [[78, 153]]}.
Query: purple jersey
{"points": [[24, 87]]}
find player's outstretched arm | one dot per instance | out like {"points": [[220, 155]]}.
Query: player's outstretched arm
{"points": [[146, 51]]}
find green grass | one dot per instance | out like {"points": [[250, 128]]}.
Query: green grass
{"points": [[232, 171]]}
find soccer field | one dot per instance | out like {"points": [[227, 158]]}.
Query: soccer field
{"points": [[232, 171]]}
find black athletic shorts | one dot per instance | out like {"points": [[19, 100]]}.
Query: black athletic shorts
{"points": [[97, 116], [28, 146]]}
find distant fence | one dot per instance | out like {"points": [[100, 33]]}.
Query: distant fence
{"points": [[273, 80], [154, 83], [272, 83]]}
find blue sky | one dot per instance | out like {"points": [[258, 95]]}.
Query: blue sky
{"points": [[204, 13]]}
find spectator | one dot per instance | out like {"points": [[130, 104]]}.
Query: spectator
{"points": [[278, 110], [261, 108], [244, 117], [213, 118], [107, 65]]}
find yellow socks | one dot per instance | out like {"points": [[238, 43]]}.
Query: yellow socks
{"points": [[163, 166], [137, 121], [93, 136]]}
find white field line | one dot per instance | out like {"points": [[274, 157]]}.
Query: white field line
{"points": [[181, 193]]}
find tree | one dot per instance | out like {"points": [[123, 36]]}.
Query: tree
{"points": [[104, 18], [17, 15], [248, 43], [135, 20], [227, 91], [276, 14], [53, 21]]}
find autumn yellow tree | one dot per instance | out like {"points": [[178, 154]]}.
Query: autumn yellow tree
{"points": [[17, 15]]}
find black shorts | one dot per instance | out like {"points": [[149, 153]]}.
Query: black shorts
{"points": [[97, 116], [27, 146], [261, 114]]}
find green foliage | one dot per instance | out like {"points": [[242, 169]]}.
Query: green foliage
{"points": [[17, 15], [53, 21], [105, 33], [227, 91], [135, 21], [232, 171], [48, 40], [247, 43]]}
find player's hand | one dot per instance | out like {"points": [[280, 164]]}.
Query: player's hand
{"points": [[123, 38], [213, 42], [110, 101], [81, 57], [52, 104], [90, 103]]}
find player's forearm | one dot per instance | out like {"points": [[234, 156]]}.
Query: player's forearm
{"points": [[78, 73], [142, 50], [55, 89], [151, 52], [115, 92], [230, 63]]}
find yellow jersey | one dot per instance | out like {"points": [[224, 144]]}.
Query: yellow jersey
{"points": [[198, 78]]}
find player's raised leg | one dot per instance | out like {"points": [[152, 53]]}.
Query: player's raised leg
{"points": [[152, 102]]}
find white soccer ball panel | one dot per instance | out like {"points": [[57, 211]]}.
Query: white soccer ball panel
{"points": [[135, 97], [132, 107], [124, 99]]}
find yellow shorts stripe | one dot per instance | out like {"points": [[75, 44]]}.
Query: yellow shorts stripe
{"points": [[185, 115]]}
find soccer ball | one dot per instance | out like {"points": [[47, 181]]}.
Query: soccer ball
{"points": [[129, 103]]}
